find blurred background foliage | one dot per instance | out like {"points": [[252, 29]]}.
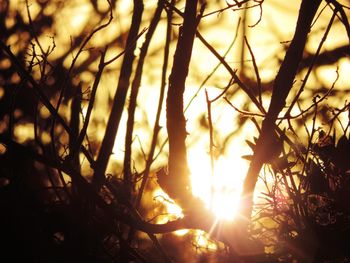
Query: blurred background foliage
{"points": [[301, 198]]}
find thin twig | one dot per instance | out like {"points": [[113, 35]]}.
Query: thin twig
{"points": [[37, 89], [211, 148], [256, 70], [97, 79]]}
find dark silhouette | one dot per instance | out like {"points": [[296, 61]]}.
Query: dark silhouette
{"points": [[64, 199]]}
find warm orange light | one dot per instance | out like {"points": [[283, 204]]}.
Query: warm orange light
{"points": [[172, 209], [221, 190]]}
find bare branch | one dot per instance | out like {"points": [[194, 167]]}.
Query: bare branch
{"points": [[282, 86], [176, 124], [119, 97]]}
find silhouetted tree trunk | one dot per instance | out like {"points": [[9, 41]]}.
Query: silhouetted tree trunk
{"points": [[178, 177], [281, 88]]}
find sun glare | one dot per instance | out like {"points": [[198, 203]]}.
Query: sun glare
{"points": [[221, 189]]}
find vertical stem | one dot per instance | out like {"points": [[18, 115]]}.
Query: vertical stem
{"points": [[134, 93], [156, 127], [244, 33], [73, 136], [119, 97], [74, 124], [97, 79], [211, 153], [176, 124]]}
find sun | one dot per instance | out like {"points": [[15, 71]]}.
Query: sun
{"points": [[220, 190]]}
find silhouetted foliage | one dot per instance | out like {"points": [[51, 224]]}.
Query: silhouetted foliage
{"points": [[64, 199]]}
